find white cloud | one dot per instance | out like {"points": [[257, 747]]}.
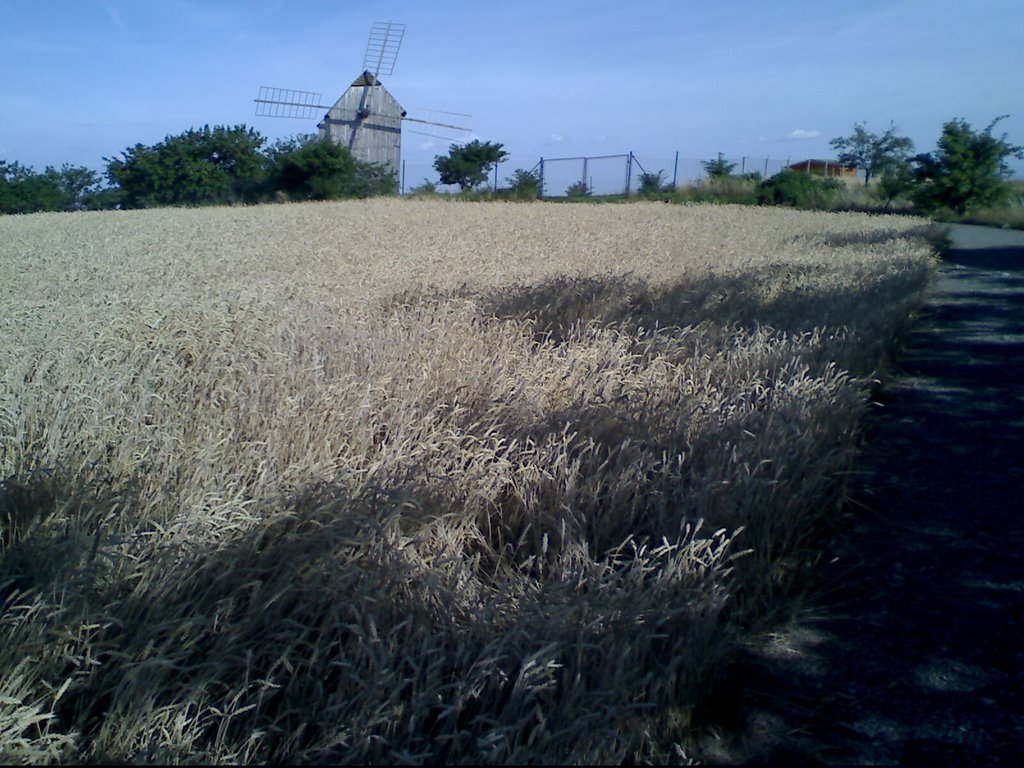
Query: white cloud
{"points": [[800, 133], [427, 144], [557, 138]]}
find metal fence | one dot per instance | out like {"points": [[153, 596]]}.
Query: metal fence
{"points": [[579, 176], [618, 174]]}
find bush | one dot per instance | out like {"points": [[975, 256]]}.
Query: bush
{"points": [[579, 189], [737, 190], [426, 189], [654, 184], [798, 190], [524, 185], [320, 169], [718, 168]]}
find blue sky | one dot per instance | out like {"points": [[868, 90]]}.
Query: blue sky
{"points": [[84, 79]]}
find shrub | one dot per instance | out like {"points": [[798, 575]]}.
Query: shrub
{"points": [[426, 189], [654, 183], [321, 169], [718, 168], [726, 190], [579, 189], [798, 190], [524, 185]]}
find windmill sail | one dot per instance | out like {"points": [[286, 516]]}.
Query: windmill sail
{"points": [[286, 102], [382, 48]]}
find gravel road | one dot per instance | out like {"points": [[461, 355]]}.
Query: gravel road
{"points": [[913, 652]]}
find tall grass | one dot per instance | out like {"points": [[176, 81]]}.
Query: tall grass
{"points": [[417, 480]]}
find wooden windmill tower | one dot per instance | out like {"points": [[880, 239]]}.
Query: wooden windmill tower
{"points": [[367, 119]]}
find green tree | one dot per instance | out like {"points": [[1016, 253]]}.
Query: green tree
{"points": [[311, 168], [719, 168], [468, 165], [874, 154], [968, 170], [199, 167], [22, 190], [78, 185]]}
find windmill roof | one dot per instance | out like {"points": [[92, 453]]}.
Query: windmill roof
{"points": [[367, 78]]}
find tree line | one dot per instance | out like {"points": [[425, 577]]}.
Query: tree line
{"points": [[968, 169], [226, 165], [205, 166]]}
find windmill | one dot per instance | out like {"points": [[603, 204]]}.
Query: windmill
{"points": [[366, 119]]}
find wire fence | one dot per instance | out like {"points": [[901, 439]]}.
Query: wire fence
{"points": [[618, 174]]}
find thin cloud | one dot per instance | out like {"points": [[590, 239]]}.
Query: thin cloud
{"points": [[113, 15], [800, 134], [557, 138]]}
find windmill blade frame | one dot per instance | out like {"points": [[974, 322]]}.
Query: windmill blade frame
{"points": [[382, 48], [438, 136], [288, 102], [440, 125]]}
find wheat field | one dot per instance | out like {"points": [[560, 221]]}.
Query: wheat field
{"points": [[418, 481]]}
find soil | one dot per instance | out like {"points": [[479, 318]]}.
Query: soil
{"points": [[912, 651]]}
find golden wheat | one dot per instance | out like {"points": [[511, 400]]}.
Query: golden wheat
{"points": [[408, 481]]}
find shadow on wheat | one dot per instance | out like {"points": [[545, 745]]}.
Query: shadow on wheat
{"points": [[272, 500]]}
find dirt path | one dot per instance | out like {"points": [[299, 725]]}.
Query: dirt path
{"points": [[916, 655]]}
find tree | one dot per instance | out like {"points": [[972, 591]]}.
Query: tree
{"points": [[968, 169], [199, 167], [311, 168], [22, 190], [78, 185], [719, 168], [874, 154], [469, 164]]}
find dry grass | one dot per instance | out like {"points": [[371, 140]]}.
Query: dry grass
{"points": [[416, 481]]}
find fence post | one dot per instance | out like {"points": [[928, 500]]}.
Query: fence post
{"points": [[402, 191], [675, 170], [766, 167], [496, 177], [585, 173], [629, 171], [743, 165], [540, 185]]}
